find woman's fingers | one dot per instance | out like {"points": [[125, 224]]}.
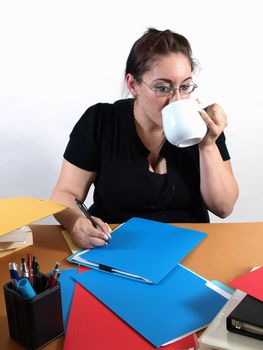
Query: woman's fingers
{"points": [[216, 121], [87, 236]]}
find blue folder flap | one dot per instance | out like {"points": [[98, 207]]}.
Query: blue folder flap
{"points": [[180, 304], [67, 286], [143, 249]]}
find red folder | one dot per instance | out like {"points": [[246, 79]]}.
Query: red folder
{"points": [[250, 283], [93, 326]]}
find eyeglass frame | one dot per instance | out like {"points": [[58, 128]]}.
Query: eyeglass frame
{"points": [[173, 89]]}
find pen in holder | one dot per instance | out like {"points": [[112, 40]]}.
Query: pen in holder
{"points": [[34, 322]]}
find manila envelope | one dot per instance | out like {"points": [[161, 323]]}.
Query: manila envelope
{"points": [[20, 211]]}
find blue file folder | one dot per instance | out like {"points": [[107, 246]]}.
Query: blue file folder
{"points": [[67, 286], [143, 249], [180, 304]]}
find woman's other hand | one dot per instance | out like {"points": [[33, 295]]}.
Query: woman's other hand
{"points": [[216, 121]]}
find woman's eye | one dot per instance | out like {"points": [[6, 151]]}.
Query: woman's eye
{"points": [[184, 87], [163, 88]]}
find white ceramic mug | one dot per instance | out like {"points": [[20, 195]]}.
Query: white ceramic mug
{"points": [[182, 123]]}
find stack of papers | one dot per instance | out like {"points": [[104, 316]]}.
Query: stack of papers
{"points": [[15, 240]]}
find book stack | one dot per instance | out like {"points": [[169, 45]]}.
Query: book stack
{"points": [[15, 240]]}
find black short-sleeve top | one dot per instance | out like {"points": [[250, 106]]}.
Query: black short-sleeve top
{"points": [[105, 140]]}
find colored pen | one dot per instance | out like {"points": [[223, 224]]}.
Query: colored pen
{"points": [[13, 273], [85, 211], [30, 269], [38, 284], [53, 276], [35, 266], [23, 269]]}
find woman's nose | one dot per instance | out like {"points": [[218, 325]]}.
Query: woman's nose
{"points": [[175, 96]]}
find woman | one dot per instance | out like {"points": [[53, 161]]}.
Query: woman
{"points": [[121, 149]]}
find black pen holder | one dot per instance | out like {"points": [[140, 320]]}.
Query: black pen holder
{"points": [[35, 322]]}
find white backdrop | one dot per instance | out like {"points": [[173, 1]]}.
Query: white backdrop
{"points": [[59, 57]]}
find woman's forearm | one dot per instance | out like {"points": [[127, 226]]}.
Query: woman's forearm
{"points": [[218, 186], [69, 216]]}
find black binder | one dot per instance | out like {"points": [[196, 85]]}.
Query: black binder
{"points": [[247, 318]]}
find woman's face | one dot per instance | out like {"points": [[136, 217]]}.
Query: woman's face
{"points": [[168, 71]]}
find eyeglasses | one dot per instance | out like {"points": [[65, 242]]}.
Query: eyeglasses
{"points": [[167, 90]]}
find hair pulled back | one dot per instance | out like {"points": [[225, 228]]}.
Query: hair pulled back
{"points": [[153, 44]]}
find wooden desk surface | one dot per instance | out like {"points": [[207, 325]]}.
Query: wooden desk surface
{"points": [[229, 250]]}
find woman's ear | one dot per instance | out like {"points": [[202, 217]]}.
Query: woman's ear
{"points": [[131, 84]]}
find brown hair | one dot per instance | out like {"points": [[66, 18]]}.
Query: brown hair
{"points": [[152, 44]]}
